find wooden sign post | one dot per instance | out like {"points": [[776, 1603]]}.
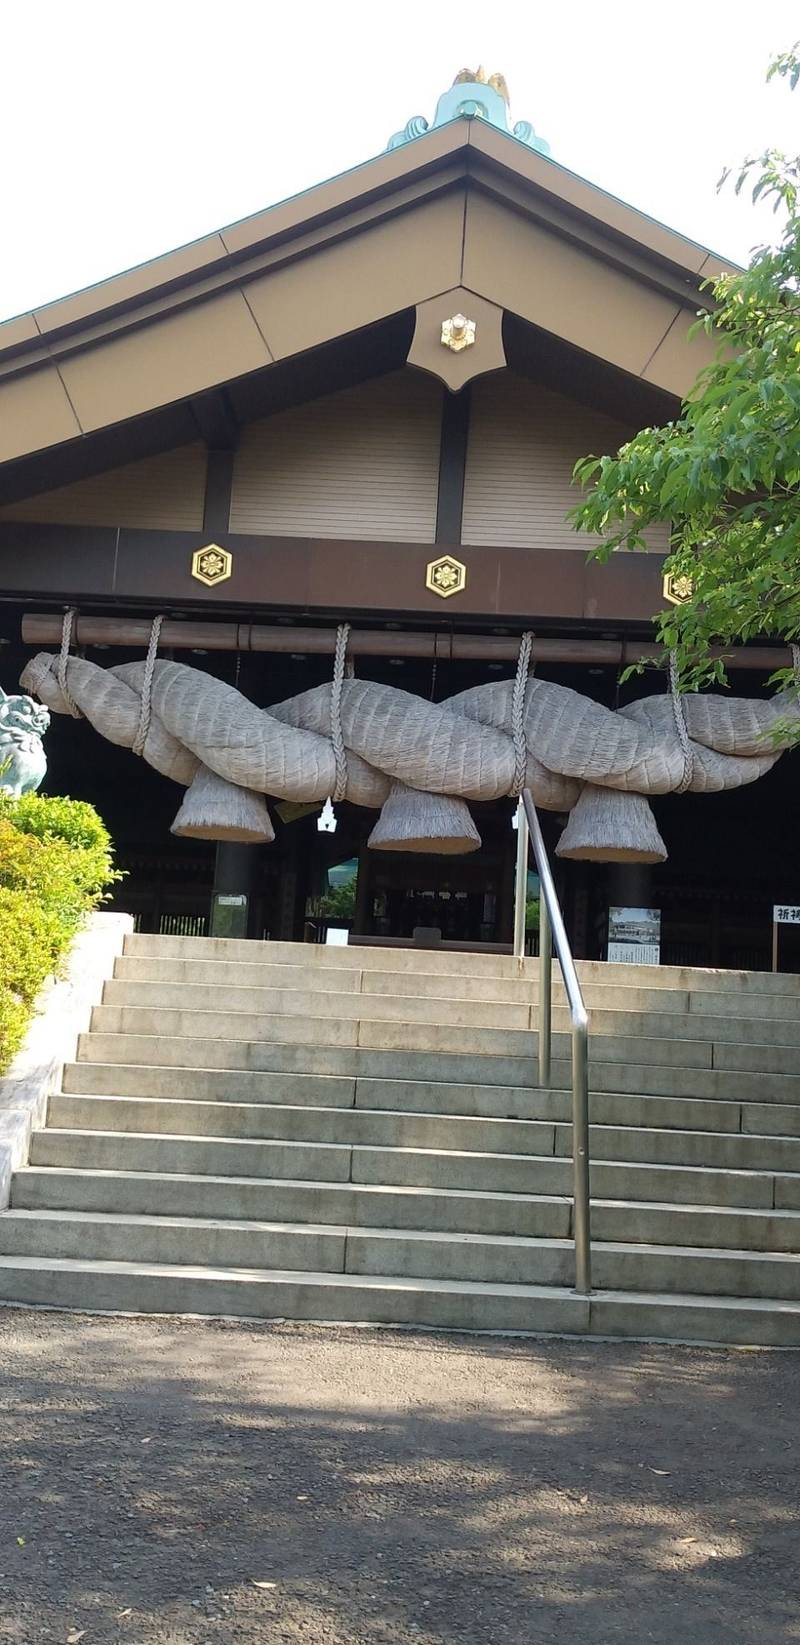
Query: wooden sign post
{"points": [[783, 913]]}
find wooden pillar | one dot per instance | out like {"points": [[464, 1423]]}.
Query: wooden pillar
{"points": [[236, 874], [452, 466], [219, 481], [630, 884], [220, 430]]}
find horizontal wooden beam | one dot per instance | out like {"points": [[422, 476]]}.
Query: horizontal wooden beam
{"points": [[372, 581], [43, 628]]}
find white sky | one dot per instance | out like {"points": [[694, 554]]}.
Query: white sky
{"points": [[128, 127]]}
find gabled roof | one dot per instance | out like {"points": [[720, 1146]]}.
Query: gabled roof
{"points": [[463, 211]]}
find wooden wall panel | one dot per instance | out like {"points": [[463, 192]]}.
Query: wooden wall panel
{"points": [[361, 463], [523, 443], [163, 492]]}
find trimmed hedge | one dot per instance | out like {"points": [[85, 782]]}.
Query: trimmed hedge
{"points": [[55, 865]]}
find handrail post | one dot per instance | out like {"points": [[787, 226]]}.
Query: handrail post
{"points": [[580, 1157], [545, 993], [521, 881], [552, 932]]}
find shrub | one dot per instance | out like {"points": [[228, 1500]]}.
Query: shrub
{"points": [[72, 821], [14, 1016], [55, 863]]}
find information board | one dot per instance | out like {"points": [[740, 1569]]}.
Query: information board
{"points": [[634, 936]]}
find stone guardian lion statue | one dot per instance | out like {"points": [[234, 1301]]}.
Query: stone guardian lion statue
{"points": [[23, 761]]}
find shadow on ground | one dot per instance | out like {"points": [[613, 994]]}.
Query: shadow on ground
{"points": [[199, 1482]]}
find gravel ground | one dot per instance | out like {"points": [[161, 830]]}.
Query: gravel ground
{"points": [[183, 1482]]}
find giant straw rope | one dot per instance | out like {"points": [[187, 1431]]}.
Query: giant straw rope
{"points": [[381, 747]]}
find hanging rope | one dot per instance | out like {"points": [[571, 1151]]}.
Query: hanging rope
{"points": [[680, 726], [518, 714], [63, 657], [337, 735], [142, 729]]}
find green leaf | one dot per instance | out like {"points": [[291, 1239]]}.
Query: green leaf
{"points": [[726, 471]]}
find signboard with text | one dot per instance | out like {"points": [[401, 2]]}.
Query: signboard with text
{"points": [[634, 936], [783, 913]]}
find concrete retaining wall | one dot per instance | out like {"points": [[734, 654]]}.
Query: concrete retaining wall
{"points": [[63, 1010]]}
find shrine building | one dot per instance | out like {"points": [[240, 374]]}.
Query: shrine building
{"points": [[363, 407]]}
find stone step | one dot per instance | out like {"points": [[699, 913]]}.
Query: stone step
{"points": [[301, 1123], [425, 1096], [404, 1167], [609, 1044], [608, 1107], [219, 1156], [625, 995], [399, 1128], [254, 1003], [478, 1211], [318, 955], [454, 964], [287, 1057], [421, 983], [311, 1004], [100, 1236], [228, 975], [443, 1304], [145, 1193], [214, 1084], [107, 1236], [270, 1294], [272, 1028], [281, 1130]]}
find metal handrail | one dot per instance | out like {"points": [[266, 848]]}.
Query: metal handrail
{"points": [[552, 930]]}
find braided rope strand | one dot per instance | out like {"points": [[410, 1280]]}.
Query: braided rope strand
{"points": [[518, 715], [680, 726], [337, 735], [146, 708], [63, 658]]}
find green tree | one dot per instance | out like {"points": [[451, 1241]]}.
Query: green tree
{"points": [[338, 902], [726, 472]]}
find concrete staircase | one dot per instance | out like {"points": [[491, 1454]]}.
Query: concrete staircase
{"points": [[357, 1134]]}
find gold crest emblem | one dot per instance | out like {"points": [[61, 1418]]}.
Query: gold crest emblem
{"points": [[446, 576], [212, 565], [677, 589]]}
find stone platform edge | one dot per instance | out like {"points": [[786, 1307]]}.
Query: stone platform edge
{"points": [[62, 1012]]}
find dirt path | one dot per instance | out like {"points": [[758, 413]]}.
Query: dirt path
{"points": [[199, 1483]]}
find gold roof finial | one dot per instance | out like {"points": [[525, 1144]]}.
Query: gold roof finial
{"points": [[474, 95], [500, 86], [481, 78]]}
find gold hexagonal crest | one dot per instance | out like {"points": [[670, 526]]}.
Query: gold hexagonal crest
{"points": [[446, 576], [212, 564], [677, 589], [458, 332]]}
